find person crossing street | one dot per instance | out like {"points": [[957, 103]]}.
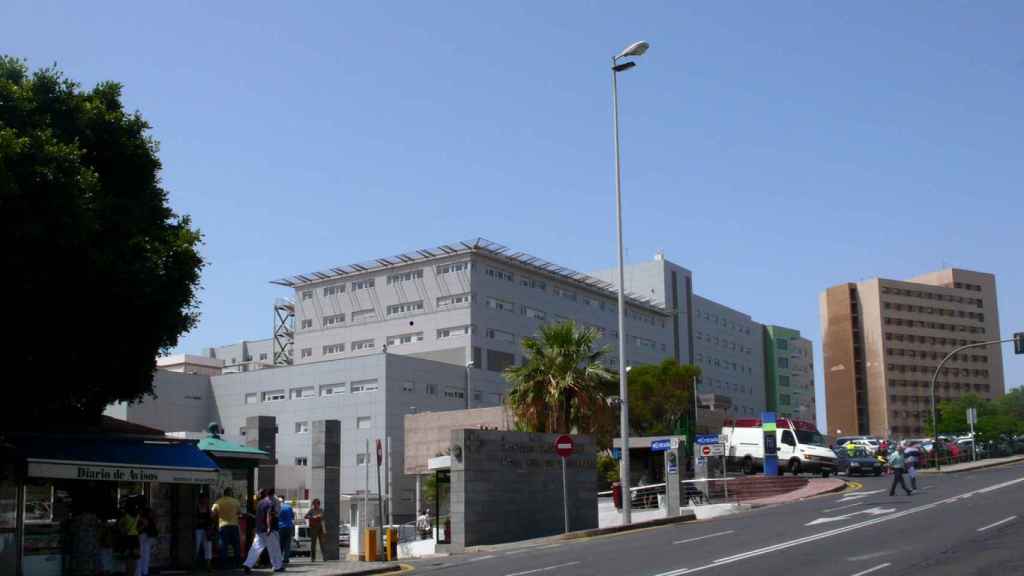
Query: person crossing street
{"points": [[898, 463]]}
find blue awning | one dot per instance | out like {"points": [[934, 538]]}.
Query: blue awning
{"points": [[116, 459]]}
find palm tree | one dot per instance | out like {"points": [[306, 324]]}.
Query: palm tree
{"points": [[562, 386]]}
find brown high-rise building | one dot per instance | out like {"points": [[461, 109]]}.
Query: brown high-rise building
{"points": [[883, 339]]}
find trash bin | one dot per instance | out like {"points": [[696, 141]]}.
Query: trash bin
{"points": [[391, 544], [371, 553], [617, 494]]}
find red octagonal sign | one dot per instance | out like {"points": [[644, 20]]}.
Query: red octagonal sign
{"points": [[564, 446]]}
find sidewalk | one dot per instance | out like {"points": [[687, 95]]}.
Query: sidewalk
{"points": [[814, 487], [303, 567], [966, 466]]}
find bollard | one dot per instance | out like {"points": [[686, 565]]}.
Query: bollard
{"points": [[391, 544], [371, 553]]}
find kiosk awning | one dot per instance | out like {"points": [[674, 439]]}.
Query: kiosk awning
{"points": [[116, 459]]}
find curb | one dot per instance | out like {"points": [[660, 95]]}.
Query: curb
{"points": [[979, 466], [390, 569], [685, 517]]}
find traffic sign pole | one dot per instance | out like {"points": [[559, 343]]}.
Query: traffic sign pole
{"points": [[564, 447], [565, 497]]}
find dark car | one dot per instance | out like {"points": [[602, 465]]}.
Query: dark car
{"points": [[861, 462]]}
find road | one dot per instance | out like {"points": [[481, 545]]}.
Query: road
{"points": [[967, 523]]}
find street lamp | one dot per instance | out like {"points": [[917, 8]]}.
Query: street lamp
{"points": [[631, 51], [469, 390]]}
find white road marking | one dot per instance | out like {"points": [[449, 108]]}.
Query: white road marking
{"points": [[547, 569], [703, 537], [994, 524], [520, 551], [858, 496], [870, 570], [834, 532], [479, 558], [876, 511], [843, 507], [863, 557], [548, 546]]}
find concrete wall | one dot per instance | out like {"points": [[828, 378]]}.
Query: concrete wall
{"points": [[507, 486], [184, 402]]}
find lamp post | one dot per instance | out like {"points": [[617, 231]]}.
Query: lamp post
{"points": [[935, 376], [469, 390], [633, 50]]}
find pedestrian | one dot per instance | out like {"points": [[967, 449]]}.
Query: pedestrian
{"points": [[286, 529], [147, 540], [128, 535], [315, 520], [897, 463], [267, 535], [226, 510], [203, 533], [912, 454]]}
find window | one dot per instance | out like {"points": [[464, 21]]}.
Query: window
{"points": [[454, 300], [332, 389], [362, 458], [498, 360], [453, 331], [499, 304], [454, 393], [588, 301], [500, 274], [302, 427], [408, 386], [567, 294], [453, 267], [303, 392], [363, 284], [405, 277], [362, 345], [644, 343], [307, 323], [263, 355], [333, 319], [332, 290], [783, 362], [405, 339], [501, 336], [781, 344], [534, 313], [334, 348], [364, 315], [364, 422], [301, 461], [306, 353], [533, 283], [783, 380], [364, 385], [251, 398], [405, 308], [273, 395], [307, 294], [430, 389]]}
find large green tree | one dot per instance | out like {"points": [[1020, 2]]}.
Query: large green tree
{"points": [[996, 418], [100, 274], [562, 386], [661, 397]]}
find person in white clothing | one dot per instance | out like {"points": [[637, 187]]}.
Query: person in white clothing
{"points": [[266, 534]]}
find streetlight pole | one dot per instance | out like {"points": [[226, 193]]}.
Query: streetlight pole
{"points": [[636, 49], [935, 376]]}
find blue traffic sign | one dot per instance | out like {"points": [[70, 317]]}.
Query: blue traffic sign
{"points": [[703, 439], [660, 445], [617, 453]]}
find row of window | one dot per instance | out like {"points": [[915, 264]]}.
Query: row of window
{"points": [[933, 355], [926, 384], [924, 294], [723, 363], [934, 325], [724, 386], [304, 392], [724, 343], [931, 340], [405, 277], [723, 321], [979, 316], [967, 372]]}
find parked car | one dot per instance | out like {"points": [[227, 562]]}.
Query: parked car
{"points": [[861, 463]]}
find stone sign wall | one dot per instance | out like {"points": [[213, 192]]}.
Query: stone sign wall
{"points": [[507, 486]]}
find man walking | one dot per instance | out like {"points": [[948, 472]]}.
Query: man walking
{"points": [[267, 536], [897, 463], [317, 535], [286, 529], [913, 456], [226, 509]]}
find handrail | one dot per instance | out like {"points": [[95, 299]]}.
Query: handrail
{"points": [[660, 484]]}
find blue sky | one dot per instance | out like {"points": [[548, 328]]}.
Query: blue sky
{"points": [[772, 148]]}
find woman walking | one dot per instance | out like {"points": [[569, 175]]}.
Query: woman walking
{"points": [[315, 519], [147, 540]]}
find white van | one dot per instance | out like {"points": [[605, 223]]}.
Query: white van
{"points": [[800, 447]]}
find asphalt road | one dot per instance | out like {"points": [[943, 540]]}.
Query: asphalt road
{"points": [[966, 523]]}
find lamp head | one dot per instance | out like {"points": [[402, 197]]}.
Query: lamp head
{"points": [[634, 49]]}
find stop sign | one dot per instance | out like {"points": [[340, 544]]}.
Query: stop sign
{"points": [[705, 450], [564, 446]]}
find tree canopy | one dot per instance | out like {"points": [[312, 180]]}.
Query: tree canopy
{"points": [[101, 275], [996, 418], [660, 397], [562, 386]]}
